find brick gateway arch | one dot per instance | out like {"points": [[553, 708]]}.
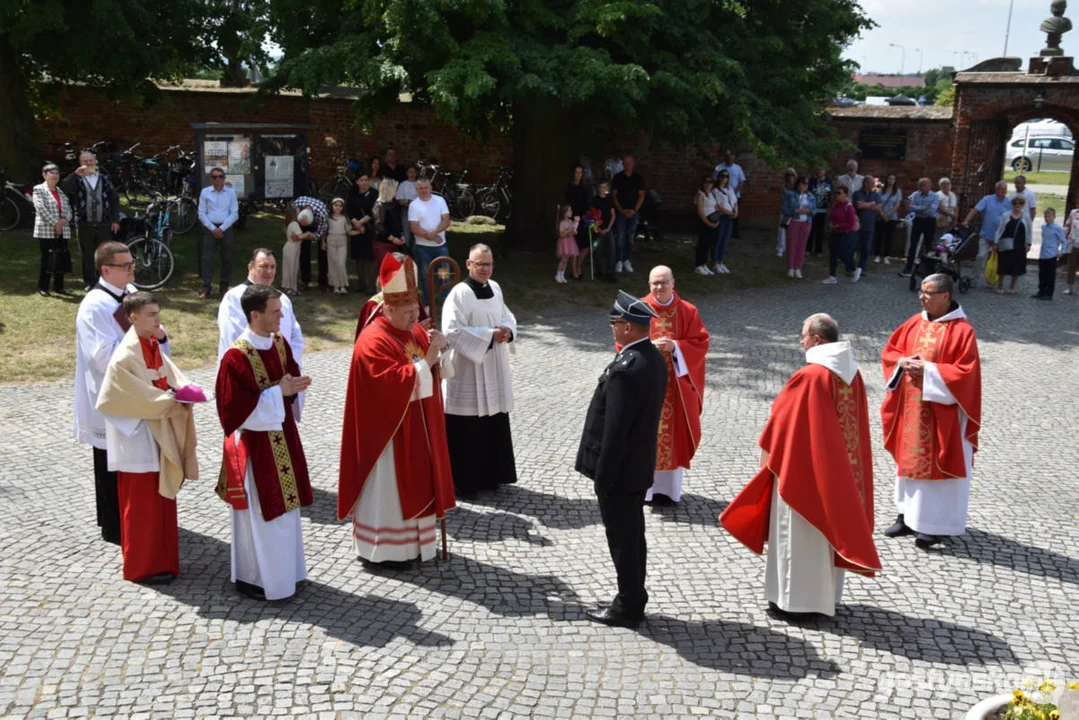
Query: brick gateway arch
{"points": [[988, 104]]}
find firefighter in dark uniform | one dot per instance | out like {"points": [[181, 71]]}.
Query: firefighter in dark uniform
{"points": [[618, 451]]}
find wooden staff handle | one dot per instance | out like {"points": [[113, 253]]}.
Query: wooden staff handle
{"points": [[432, 313]]}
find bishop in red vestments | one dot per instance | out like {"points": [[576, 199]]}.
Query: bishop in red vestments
{"points": [[264, 476], [812, 500], [395, 477], [373, 307], [151, 443], [682, 338], [931, 415]]}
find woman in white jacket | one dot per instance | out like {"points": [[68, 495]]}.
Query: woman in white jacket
{"points": [[1013, 239]]}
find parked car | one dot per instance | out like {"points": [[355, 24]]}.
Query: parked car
{"points": [[1040, 128], [1040, 154]]}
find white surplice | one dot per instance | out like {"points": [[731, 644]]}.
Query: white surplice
{"points": [[130, 445], [481, 385], [669, 482], [97, 335], [266, 554], [800, 574], [379, 530], [231, 322], [936, 507]]}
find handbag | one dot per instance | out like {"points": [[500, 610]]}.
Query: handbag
{"points": [[991, 275], [785, 221], [715, 217], [1006, 244], [58, 257]]}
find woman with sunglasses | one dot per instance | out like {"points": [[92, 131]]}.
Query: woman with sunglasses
{"points": [[52, 230], [1012, 243], [843, 221]]}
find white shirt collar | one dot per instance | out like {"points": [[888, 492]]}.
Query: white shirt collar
{"points": [[956, 314], [837, 357], [666, 304], [111, 288], [257, 341], [629, 345]]}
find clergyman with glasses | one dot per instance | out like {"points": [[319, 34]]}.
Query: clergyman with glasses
{"points": [[480, 330], [932, 413]]}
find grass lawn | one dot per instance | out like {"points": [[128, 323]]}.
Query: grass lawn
{"points": [[1045, 200], [36, 333], [1039, 178]]}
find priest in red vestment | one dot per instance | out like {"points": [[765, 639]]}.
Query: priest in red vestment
{"points": [[931, 415], [812, 500], [395, 478], [151, 443], [264, 477], [680, 335]]}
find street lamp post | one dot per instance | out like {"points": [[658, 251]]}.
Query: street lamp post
{"points": [[902, 57], [919, 51]]}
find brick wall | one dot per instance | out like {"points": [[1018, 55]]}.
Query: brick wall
{"points": [[86, 116]]}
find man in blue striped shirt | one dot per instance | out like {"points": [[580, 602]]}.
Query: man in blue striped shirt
{"points": [[924, 206]]}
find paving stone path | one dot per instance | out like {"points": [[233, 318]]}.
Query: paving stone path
{"points": [[500, 631]]}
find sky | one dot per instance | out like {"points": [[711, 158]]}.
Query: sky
{"points": [[942, 29]]}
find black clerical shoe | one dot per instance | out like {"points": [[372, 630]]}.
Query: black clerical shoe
{"points": [[388, 564], [792, 617], [661, 500], [109, 537], [924, 542], [607, 616], [466, 494], [251, 591], [899, 529], [161, 579]]}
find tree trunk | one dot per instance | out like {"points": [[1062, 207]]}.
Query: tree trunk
{"points": [[19, 148], [542, 145]]}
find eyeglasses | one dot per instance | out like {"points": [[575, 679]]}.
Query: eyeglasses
{"points": [[122, 266], [52, 172], [932, 292], [481, 264], [217, 177]]}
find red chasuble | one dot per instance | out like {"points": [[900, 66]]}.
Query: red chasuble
{"points": [[381, 381], [278, 464], [680, 421], [924, 437], [817, 441]]}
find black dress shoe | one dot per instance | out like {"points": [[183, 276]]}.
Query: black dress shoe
{"points": [[613, 618], [109, 537], [899, 529], [161, 579], [388, 564], [251, 591], [661, 500], [466, 494], [792, 617], [924, 542]]}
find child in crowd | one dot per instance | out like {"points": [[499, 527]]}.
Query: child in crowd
{"points": [[1053, 245], [290, 255], [336, 247], [567, 240]]}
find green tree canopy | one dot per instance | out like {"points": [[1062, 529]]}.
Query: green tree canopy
{"points": [[751, 72]]}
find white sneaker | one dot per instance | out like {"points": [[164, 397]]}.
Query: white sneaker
{"points": [[857, 275], [798, 274], [627, 266], [1067, 291], [790, 273], [877, 259], [618, 267], [717, 269], [887, 261], [830, 280], [703, 270], [779, 253], [558, 277], [724, 268]]}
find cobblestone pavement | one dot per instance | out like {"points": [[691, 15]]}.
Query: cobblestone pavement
{"points": [[500, 631]]}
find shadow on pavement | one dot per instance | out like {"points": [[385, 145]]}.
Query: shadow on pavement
{"points": [[739, 648], [362, 620], [466, 524], [922, 639], [989, 548]]}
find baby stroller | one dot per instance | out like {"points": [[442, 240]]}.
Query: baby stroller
{"points": [[648, 225], [951, 250]]}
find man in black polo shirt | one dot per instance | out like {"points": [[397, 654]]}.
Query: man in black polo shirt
{"points": [[627, 188]]}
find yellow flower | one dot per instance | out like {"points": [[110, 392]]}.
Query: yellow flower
{"points": [[1047, 685], [1054, 715], [1073, 686], [1029, 684], [1018, 697]]}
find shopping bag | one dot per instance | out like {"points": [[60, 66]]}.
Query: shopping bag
{"points": [[991, 275]]}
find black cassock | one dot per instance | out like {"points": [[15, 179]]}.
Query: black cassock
{"points": [[618, 452]]}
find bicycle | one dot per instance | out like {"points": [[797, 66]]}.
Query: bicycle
{"points": [[12, 196], [342, 183], [454, 190], [152, 251], [496, 201]]}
